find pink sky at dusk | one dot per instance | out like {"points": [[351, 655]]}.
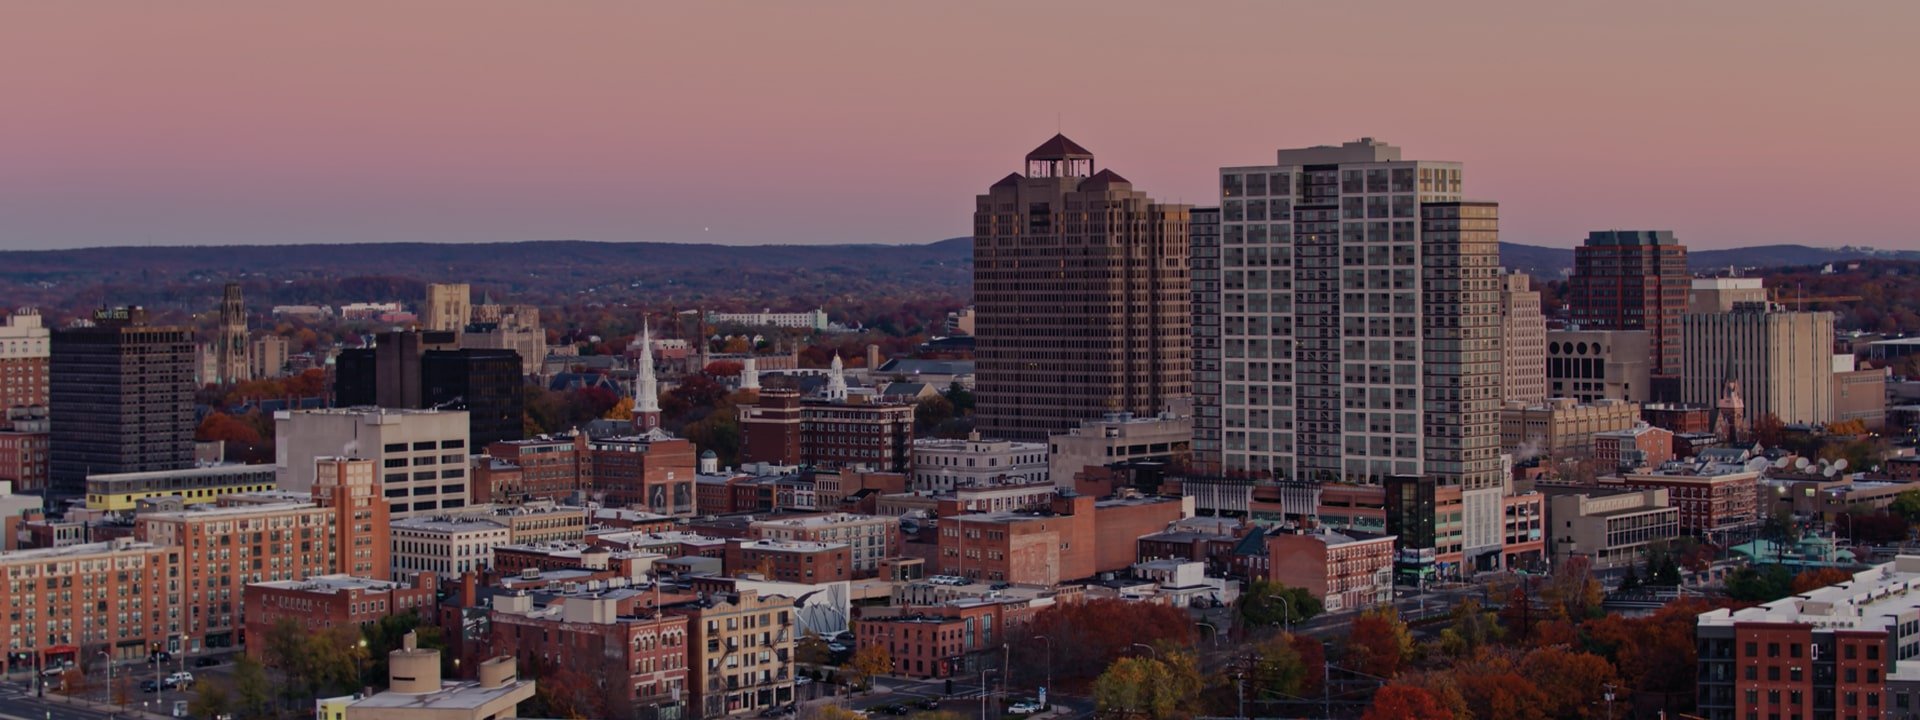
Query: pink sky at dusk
{"points": [[1731, 123]]}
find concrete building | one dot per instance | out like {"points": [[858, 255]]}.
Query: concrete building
{"points": [[740, 653], [1345, 570], [120, 395], [1712, 296], [422, 454], [447, 545], [415, 690], [508, 327], [1610, 528], [1594, 365], [1845, 650], [1782, 362], [1118, 438], [1633, 280], [871, 538], [268, 354], [324, 601], [815, 319], [449, 307], [1107, 329], [1715, 500], [945, 464], [1325, 255], [1561, 428], [24, 349], [122, 492], [1523, 341], [1859, 393], [636, 660]]}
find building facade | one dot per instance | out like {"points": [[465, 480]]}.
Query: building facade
{"points": [[638, 661], [122, 492], [1562, 429], [1204, 268], [1523, 335], [1345, 570], [421, 454], [1633, 280], [841, 434], [446, 546], [870, 538], [120, 395], [790, 560], [1781, 361], [449, 306], [24, 349], [945, 464], [1118, 438], [326, 601], [1081, 297], [1594, 365], [1611, 529], [740, 653], [230, 347], [770, 428]]}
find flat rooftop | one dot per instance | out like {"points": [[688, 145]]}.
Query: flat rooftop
{"points": [[334, 584], [450, 696], [1873, 600]]}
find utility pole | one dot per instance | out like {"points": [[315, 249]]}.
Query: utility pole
{"points": [[1609, 696]]}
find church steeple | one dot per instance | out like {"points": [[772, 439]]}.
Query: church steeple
{"points": [[646, 388], [836, 380]]}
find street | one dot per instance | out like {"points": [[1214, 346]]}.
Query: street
{"points": [[964, 701]]}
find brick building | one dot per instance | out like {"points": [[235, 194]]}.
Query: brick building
{"points": [[1637, 447], [23, 459], [325, 601], [1715, 500], [543, 468], [1077, 537], [638, 661], [869, 538], [790, 561], [75, 602], [845, 434], [1347, 570], [941, 641], [740, 653], [770, 428], [648, 471], [1679, 418]]}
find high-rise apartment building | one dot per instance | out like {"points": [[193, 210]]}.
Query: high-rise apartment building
{"points": [[1523, 333], [120, 394], [23, 361], [1360, 322], [449, 306], [1204, 266], [1781, 362], [1081, 294], [268, 354], [230, 361], [1633, 280]]}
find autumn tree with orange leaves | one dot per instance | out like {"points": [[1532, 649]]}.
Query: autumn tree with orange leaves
{"points": [[1406, 702]]}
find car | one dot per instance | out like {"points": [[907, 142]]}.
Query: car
{"points": [[206, 661], [1022, 709], [179, 679], [928, 704], [896, 709], [803, 680], [149, 686]]}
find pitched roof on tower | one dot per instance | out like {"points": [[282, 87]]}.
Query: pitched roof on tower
{"points": [[1011, 180], [1103, 180], [1058, 147]]}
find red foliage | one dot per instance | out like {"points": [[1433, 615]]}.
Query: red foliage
{"points": [[1379, 642], [1502, 696], [1654, 653], [1406, 702], [1819, 578], [1313, 657], [219, 426], [1088, 636], [723, 368]]}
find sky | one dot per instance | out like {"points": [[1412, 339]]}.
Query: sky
{"points": [[1730, 123]]}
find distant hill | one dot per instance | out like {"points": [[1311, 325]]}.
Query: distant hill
{"points": [[1551, 263]]}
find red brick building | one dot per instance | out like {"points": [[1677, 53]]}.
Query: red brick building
{"points": [[1712, 502], [77, 601], [1077, 538], [1642, 446], [790, 561], [544, 468], [770, 428], [644, 472], [637, 660], [1678, 418], [23, 459], [935, 642], [846, 434], [326, 601], [1346, 570]]}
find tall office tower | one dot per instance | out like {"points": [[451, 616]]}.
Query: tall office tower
{"points": [[120, 398], [449, 306], [1780, 362], [1205, 268], [415, 369], [1633, 280], [1081, 293], [1359, 332], [230, 345], [1523, 332], [23, 361], [422, 454]]}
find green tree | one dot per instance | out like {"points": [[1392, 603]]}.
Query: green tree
{"points": [[387, 635], [929, 413], [961, 398], [1769, 583], [1632, 580], [1472, 627], [1138, 688], [1907, 504], [252, 693], [1271, 604], [209, 701], [1668, 573], [1277, 670]]}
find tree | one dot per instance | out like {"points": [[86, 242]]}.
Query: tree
{"points": [[1087, 636], [1632, 580], [252, 694], [1472, 627], [1907, 504], [961, 397], [811, 650], [1668, 572], [1502, 696], [1573, 684], [1277, 669], [868, 663], [1139, 688], [1406, 702], [1818, 578], [622, 410], [1270, 604], [1379, 642], [1769, 431], [1766, 584], [930, 412], [209, 701]]}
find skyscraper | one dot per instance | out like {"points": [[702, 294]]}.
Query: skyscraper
{"points": [[1633, 280], [23, 361], [1523, 331], [120, 398], [1780, 362], [1205, 269], [424, 369], [1081, 294], [1359, 333], [230, 342]]}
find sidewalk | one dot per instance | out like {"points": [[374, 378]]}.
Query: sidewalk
{"points": [[131, 710]]}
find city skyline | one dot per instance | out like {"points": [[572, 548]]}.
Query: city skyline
{"points": [[203, 124]]}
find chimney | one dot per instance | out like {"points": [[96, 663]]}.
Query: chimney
{"points": [[469, 589]]}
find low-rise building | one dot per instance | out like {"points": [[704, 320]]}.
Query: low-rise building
{"points": [[446, 545], [415, 690], [941, 464], [325, 601], [122, 492], [1610, 528], [740, 653], [1642, 446], [1118, 438], [636, 661], [1561, 428], [796, 561], [869, 538], [1715, 499], [1077, 537], [945, 640], [23, 458], [1345, 570]]}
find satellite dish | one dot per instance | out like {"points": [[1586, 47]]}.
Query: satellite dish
{"points": [[1757, 464], [1800, 464], [1781, 461], [1829, 472], [1840, 464]]}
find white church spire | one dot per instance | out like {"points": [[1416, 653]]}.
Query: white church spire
{"points": [[646, 388], [837, 380]]}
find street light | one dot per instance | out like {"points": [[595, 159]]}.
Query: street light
{"points": [[1049, 642], [1214, 628], [1156, 653], [1286, 615]]}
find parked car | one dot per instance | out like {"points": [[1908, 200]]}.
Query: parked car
{"points": [[928, 704], [206, 661], [149, 686], [180, 679], [1022, 709], [896, 709]]}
